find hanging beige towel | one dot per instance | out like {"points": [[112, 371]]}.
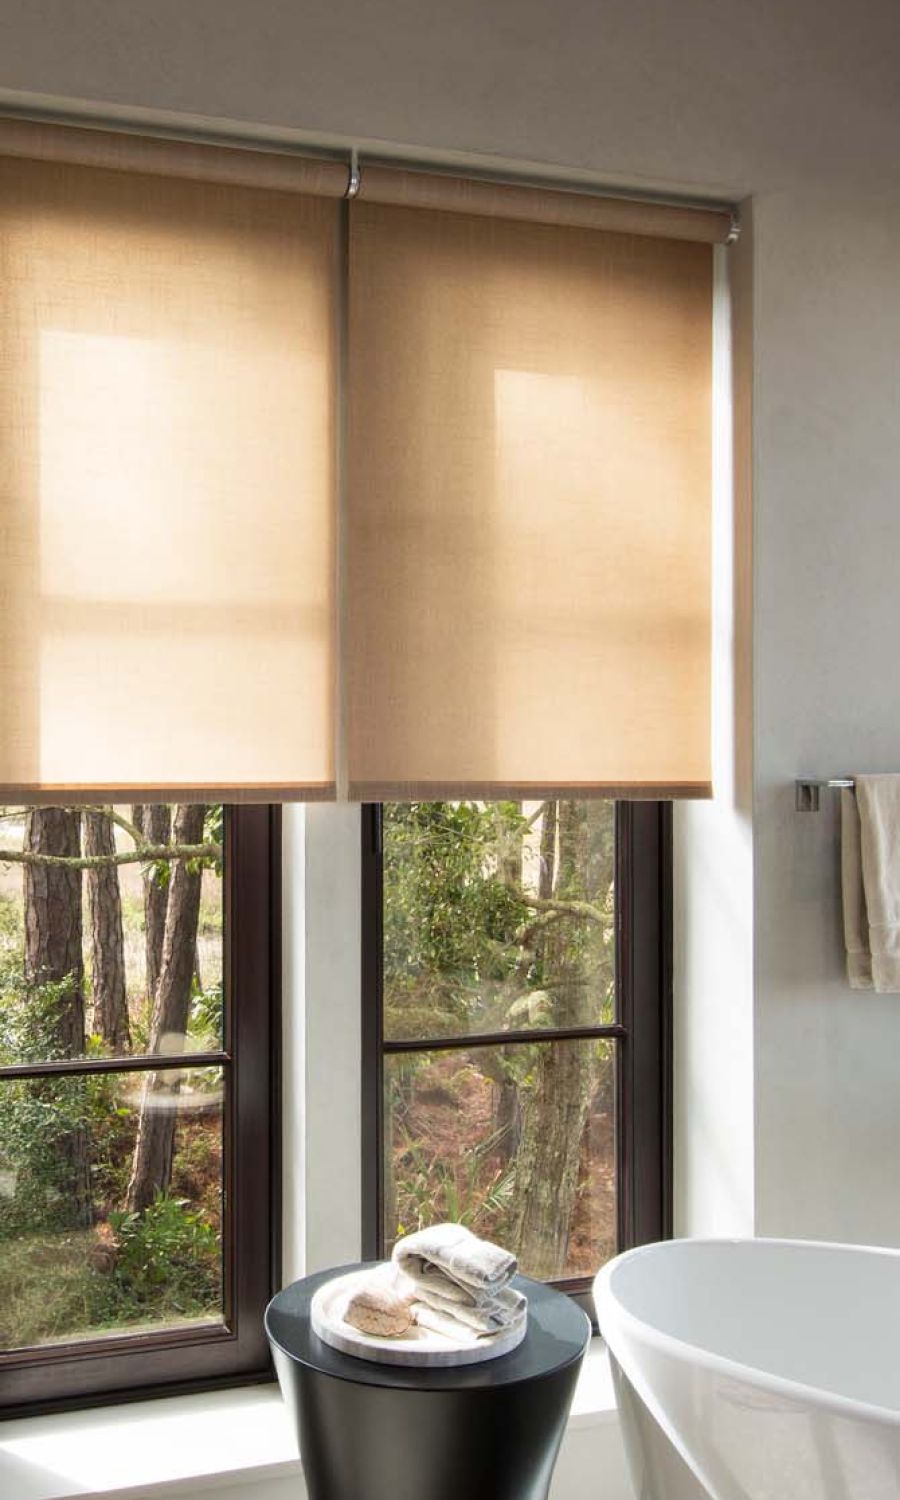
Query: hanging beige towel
{"points": [[870, 867], [856, 922]]}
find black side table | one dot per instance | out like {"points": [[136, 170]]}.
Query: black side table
{"points": [[371, 1431]]}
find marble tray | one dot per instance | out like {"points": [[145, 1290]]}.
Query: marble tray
{"points": [[420, 1346]]}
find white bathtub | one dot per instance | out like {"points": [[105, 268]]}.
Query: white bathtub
{"points": [[756, 1369]]}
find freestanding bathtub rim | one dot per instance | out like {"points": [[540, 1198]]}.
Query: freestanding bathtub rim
{"points": [[610, 1309]]}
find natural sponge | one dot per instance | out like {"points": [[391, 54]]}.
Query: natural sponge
{"points": [[379, 1310]]}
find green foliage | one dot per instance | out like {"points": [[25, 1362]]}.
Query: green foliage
{"points": [[450, 908], [30, 1017], [214, 832], [464, 936], [451, 911], [491, 925], [11, 933], [140, 1013], [66, 1145], [197, 1167], [168, 1248], [467, 1190], [45, 1123], [38, 1120], [206, 1018]]}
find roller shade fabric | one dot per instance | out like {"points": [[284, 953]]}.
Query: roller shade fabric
{"points": [[301, 499], [529, 509]]}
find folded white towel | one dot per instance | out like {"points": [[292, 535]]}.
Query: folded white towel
{"points": [[488, 1316], [458, 1265], [460, 1325], [450, 1328], [870, 877]]}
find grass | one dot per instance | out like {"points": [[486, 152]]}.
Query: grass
{"points": [[47, 1290], [164, 1272]]}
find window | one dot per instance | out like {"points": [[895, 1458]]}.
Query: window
{"points": [[516, 1002], [137, 1000], [299, 469]]}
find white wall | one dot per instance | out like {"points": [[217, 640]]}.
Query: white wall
{"points": [[321, 1056], [795, 104], [827, 615], [713, 844]]}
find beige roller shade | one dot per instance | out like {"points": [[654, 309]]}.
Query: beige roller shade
{"points": [[528, 526], [287, 169], [166, 489]]}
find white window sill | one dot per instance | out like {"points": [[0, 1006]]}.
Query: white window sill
{"points": [[205, 1442]]}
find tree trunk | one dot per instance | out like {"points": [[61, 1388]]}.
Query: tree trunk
{"points": [[110, 1018], [151, 1171], [154, 820], [512, 861], [507, 1115], [52, 899], [547, 871], [53, 919], [507, 1104], [556, 1107]]}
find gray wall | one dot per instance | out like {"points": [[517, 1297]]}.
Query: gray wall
{"points": [[795, 104]]}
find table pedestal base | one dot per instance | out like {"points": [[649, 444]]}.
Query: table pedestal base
{"points": [[363, 1442]]}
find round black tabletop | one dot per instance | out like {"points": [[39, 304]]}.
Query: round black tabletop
{"points": [[557, 1334]]}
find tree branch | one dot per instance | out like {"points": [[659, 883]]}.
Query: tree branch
{"points": [[584, 909], [148, 854], [550, 911]]}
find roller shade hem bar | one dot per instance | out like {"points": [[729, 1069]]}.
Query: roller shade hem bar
{"points": [[86, 796], [282, 166], [495, 791]]}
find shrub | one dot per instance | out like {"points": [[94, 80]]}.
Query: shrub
{"points": [[205, 1024], [168, 1253]]}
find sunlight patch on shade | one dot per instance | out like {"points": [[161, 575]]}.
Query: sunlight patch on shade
{"points": [[148, 450], [158, 600], [591, 510]]}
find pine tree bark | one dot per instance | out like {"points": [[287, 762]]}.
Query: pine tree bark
{"points": [[507, 1103], [547, 871], [53, 955], [151, 1171], [556, 1107], [110, 1019], [53, 919], [154, 820]]}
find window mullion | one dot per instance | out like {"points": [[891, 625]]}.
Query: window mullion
{"points": [[147, 1062]]}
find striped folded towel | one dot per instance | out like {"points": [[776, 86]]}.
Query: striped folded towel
{"points": [[460, 1283]]}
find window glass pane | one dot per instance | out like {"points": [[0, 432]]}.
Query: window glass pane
{"points": [[498, 916], [78, 1258], [83, 951], [517, 1141]]}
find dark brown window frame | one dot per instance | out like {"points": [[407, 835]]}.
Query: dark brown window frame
{"points": [[642, 1030], [172, 1362]]}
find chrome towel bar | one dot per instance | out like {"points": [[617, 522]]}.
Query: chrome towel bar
{"points": [[807, 792]]}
